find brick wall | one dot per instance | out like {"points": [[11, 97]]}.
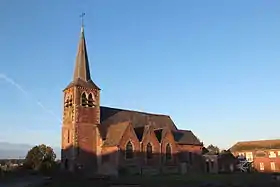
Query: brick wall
{"points": [[168, 139], [191, 154], [129, 135], [151, 138], [264, 160], [82, 127]]}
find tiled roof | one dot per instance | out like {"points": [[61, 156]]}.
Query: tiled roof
{"points": [[185, 137], [115, 133], [138, 119], [254, 145], [140, 122]]}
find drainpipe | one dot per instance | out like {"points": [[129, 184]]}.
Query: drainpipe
{"points": [[118, 155], [141, 157], [160, 155]]}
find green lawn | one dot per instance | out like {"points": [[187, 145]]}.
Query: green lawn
{"points": [[174, 180], [199, 178]]}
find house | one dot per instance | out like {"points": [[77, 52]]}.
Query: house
{"points": [[211, 162], [97, 138], [227, 162], [264, 154], [223, 162]]}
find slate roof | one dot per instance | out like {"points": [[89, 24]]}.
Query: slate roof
{"points": [[82, 70], [185, 137], [81, 76], [256, 145], [115, 133], [140, 121]]}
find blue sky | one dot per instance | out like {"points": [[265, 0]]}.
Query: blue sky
{"points": [[212, 66]]}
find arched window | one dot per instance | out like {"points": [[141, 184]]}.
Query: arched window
{"points": [[149, 151], [168, 154], [84, 99], [90, 100], [191, 157], [67, 102], [70, 103], [129, 150], [68, 136]]}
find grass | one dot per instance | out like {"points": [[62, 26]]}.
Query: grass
{"points": [[197, 179], [169, 180]]}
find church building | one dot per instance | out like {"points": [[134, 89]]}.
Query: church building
{"points": [[96, 137]]}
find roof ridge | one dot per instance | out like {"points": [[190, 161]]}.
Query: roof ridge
{"points": [[182, 130], [142, 112], [252, 141]]}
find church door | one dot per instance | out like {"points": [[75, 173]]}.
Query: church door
{"points": [[207, 167]]}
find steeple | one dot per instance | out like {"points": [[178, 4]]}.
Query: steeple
{"points": [[81, 76], [82, 70]]}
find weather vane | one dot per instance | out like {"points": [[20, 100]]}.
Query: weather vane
{"points": [[82, 18]]}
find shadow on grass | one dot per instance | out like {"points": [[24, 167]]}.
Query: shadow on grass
{"points": [[226, 180]]}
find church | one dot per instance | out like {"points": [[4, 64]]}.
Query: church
{"points": [[97, 138]]}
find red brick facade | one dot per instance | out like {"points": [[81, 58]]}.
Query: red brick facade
{"points": [[264, 160], [264, 154], [94, 136], [150, 138], [79, 129], [169, 139]]}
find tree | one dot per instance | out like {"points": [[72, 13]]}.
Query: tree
{"points": [[213, 149], [205, 150], [40, 157]]}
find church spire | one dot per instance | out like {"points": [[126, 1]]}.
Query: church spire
{"points": [[82, 65], [81, 75]]}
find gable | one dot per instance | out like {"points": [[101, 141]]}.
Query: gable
{"points": [[149, 135], [167, 136], [129, 135]]}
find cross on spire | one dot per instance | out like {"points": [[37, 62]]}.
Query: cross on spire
{"points": [[82, 18], [81, 74], [82, 65]]}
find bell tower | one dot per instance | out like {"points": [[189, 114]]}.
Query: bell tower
{"points": [[81, 116]]}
